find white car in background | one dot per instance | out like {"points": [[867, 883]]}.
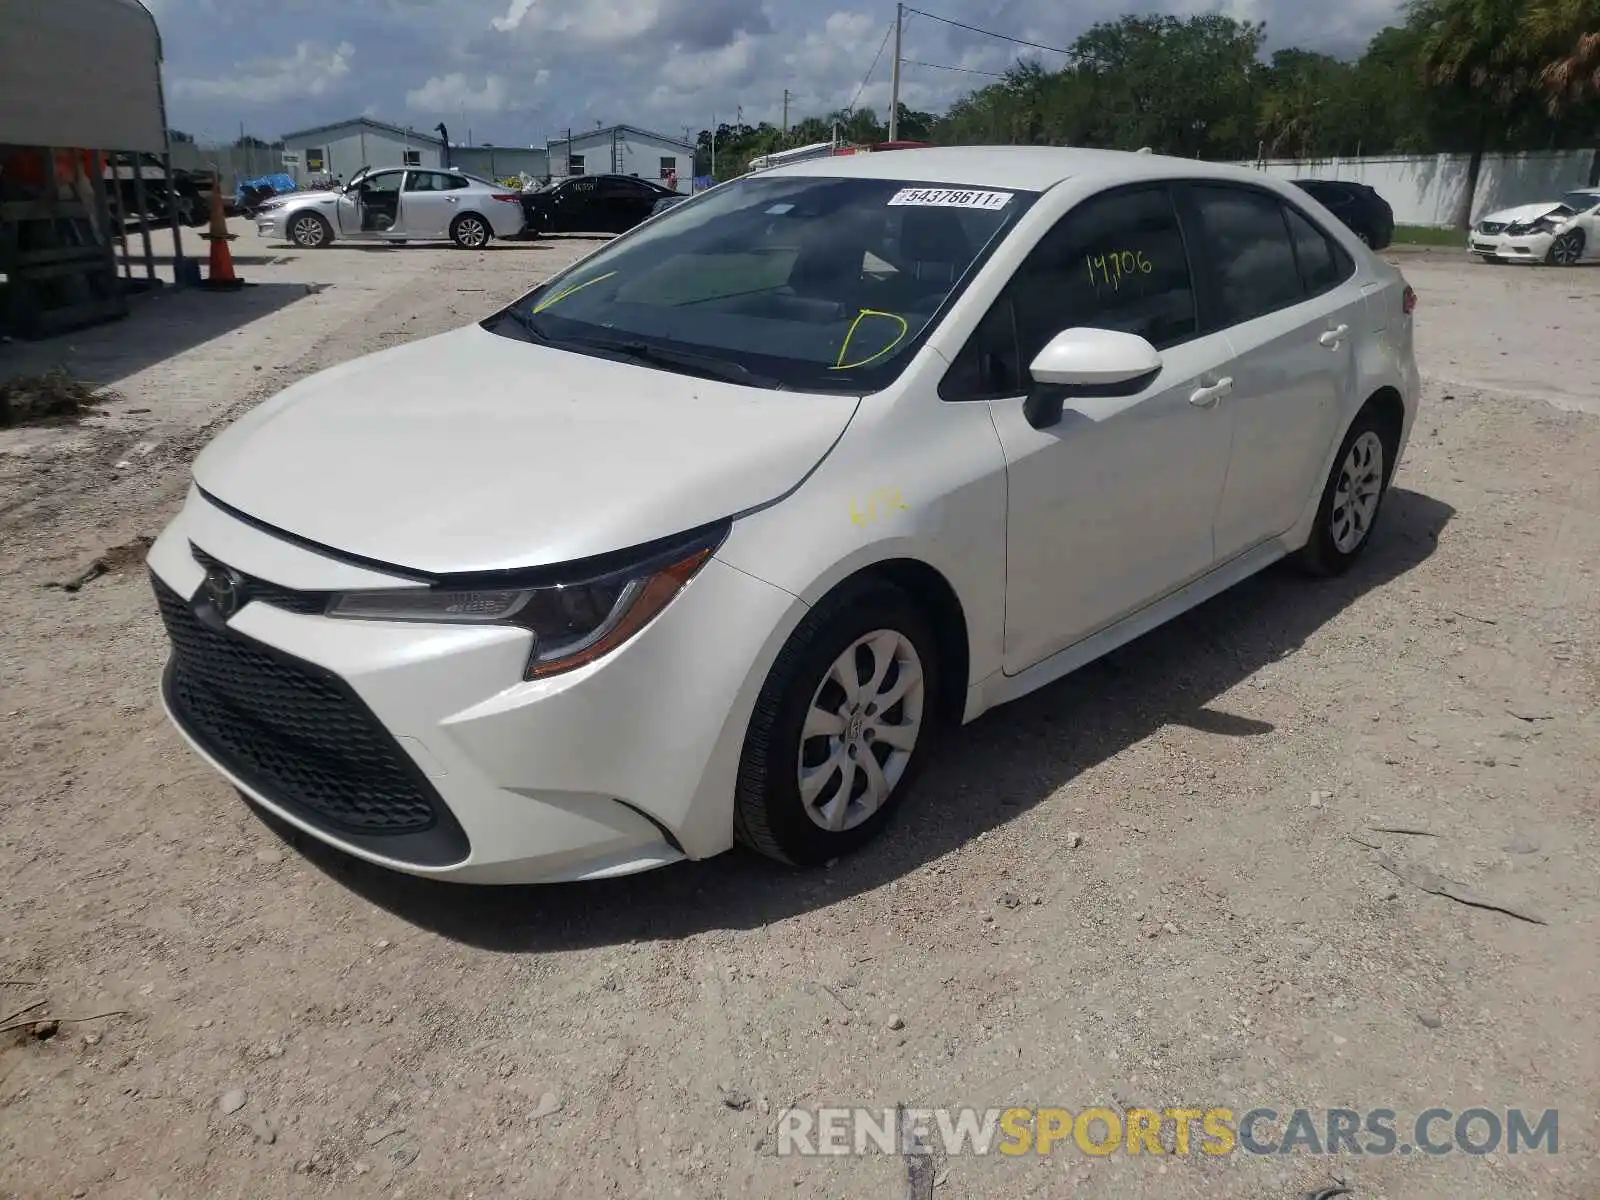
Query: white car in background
{"points": [[399, 205], [709, 536], [1561, 232]]}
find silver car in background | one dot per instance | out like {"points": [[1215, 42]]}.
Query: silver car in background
{"points": [[397, 204]]}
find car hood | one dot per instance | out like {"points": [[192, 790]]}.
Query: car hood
{"points": [[301, 199], [1523, 212], [475, 452]]}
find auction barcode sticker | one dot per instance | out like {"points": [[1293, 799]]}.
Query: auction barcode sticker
{"points": [[951, 198]]}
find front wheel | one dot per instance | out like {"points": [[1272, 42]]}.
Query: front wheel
{"points": [[310, 231], [470, 232], [840, 727], [1566, 250], [1351, 498]]}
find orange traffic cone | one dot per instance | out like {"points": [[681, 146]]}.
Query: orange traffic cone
{"points": [[221, 277]]}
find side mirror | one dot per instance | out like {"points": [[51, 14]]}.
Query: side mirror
{"points": [[1087, 362]]}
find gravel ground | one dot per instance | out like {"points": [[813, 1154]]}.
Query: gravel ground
{"points": [[1135, 888]]}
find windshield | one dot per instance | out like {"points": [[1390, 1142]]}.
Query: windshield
{"points": [[1580, 201], [808, 283]]}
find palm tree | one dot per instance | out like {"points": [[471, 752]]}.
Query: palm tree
{"points": [[1476, 52], [1567, 34]]}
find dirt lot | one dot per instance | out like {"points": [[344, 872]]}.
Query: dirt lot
{"points": [[1215, 938]]}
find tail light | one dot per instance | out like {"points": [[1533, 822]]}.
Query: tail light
{"points": [[1408, 300], [508, 197]]}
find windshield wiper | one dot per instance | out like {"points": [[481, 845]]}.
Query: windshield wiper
{"points": [[525, 322], [707, 366]]}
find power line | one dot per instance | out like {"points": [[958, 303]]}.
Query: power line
{"points": [[909, 62], [868, 76], [1004, 37]]}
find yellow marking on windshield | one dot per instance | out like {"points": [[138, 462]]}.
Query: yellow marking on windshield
{"points": [[850, 333], [544, 304]]}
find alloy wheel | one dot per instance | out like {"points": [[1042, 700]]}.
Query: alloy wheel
{"points": [[1355, 496], [307, 232], [860, 730], [1567, 250], [471, 232]]}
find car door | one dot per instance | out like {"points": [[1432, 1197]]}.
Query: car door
{"points": [[427, 205], [1111, 508], [1285, 294], [574, 209]]}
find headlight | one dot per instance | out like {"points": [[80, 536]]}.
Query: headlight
{"points": [[573, 622], [269, 206]]}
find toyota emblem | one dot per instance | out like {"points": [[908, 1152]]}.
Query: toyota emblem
{"points": [[225, 590]]}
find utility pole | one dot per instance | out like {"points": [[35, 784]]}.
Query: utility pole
{"points": [[786, 114], [894, 85], [713, 148]]}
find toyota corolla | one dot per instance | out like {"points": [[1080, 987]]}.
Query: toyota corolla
{"points": [[705, 538]]}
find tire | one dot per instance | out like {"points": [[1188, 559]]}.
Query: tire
{"points": [[861, 626], [1366, 457], [470, 231], [1566, 250], [310, 231]]}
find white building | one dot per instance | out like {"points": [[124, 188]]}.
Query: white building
{"points": [[344, 147], [625, 150]]}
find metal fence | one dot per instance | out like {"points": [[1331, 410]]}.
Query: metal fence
{"points": [[233, 163]]}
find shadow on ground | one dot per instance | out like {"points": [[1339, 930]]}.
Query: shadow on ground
{"points": [[985, 776], [159, 325]]}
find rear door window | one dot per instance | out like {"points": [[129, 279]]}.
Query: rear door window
{"points": [[1247, 242]]}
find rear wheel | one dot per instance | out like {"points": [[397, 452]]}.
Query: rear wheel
{"points": [[1352, 496], [470, 231], [840, 727]]}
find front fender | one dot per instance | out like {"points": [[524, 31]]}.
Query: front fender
{"points": [[917, 479]]}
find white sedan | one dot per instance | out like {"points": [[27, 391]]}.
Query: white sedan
{"points": [[1561, 233], [399, 205], [706, 538]]}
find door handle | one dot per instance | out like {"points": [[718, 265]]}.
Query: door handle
{"points": [[451, 200], [1333, 337], [1207, 397]]}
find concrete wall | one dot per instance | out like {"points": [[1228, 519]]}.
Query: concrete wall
{"points": [[500, 162], [1428, 189], [80, 75], [630, 153]]}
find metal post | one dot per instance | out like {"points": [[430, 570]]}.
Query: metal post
{"points": [[172, 219], [894, 85], [140, 198], [786, 114], [102, 208]]}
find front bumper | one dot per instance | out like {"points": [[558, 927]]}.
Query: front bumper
{"points": [[272, 225], [1529, 247], [354, 730]]}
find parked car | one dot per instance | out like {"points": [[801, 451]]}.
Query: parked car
{"points": [[592, 204], [1561, 233], [710, 535], [667, 202], [395, 205], [188, 191], [1366, 213]]}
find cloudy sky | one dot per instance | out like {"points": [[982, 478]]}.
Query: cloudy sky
{"points": [[517, 71]]}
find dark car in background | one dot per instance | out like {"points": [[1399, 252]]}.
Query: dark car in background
{"points": [[592, 204], [1366, 213]]}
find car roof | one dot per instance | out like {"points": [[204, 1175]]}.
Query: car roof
{"points": [[1022, 168]]}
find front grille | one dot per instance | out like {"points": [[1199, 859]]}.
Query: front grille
{"points": [[278, 596], [298, 735]]}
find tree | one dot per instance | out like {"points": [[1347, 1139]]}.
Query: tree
{"points": [[1566, 37], [177, 135], [1477, 55]]}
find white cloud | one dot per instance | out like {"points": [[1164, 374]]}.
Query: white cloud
{"points": [[454, 93], [312, 70]]}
